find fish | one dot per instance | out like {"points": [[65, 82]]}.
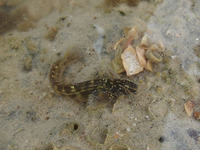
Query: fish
{"points": [[112, 87]]}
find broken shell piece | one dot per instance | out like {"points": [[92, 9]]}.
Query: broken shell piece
{"points": [[117, 61], [144, 41], [130, 61], [161, 46], [154, 47], [158, 108], [149, 66], [99, 135], [119, 147], [117, 66], [118, 43], [141, 57], [53, 147], [189, 108], [197, 115], [69, 148], [153, 56], [126, 30], [132, 35]]}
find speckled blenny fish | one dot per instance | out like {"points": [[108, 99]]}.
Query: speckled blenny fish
{"points": [[112, 87]]}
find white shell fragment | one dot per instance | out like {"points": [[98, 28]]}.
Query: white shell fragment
{"points": [[149, 66], [141, 57], [130, 61], [144, 41], [161, 46]]}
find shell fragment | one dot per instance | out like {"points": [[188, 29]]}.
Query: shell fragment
{"points": [[130, 61]]}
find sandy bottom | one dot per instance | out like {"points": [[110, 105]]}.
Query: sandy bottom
{"points": [[34, 34]]}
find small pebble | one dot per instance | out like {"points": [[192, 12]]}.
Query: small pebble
{"points": [[47, 118], [197, 115], [161, 139], [51, 34]]}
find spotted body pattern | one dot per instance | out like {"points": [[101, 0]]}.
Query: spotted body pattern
{"points": [[112, 87]]}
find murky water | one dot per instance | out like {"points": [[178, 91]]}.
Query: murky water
{"points": [[34, 34]]}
